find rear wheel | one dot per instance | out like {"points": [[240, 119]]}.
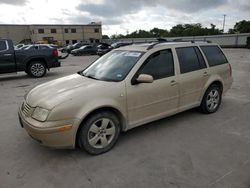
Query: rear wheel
{"points": [[36, 69], [99, 133], [211, 100]]}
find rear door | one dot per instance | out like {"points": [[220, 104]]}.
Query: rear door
{"points": [[7, 59], [193, 76], [88, 50]]}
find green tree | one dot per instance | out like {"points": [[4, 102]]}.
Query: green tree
{"points": [[156, 32], [242, 27], [105, 37]]}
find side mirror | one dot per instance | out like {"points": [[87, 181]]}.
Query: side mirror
{"points": [[145, 78]]}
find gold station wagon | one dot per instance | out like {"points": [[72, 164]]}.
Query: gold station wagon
{"points": [[126, 88]]}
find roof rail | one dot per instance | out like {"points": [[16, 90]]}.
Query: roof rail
{"points": [[192, 41], [159, 41]]}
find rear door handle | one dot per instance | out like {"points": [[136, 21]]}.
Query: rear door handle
{"points": [[205, 74], [173, 82]]}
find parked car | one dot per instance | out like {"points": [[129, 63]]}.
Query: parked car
{"points": [[103, 49], [106, 49], [19, 46], [23, 47], [77, 45], [34, 62], [126, 88], [120, 44], [84, 50]]}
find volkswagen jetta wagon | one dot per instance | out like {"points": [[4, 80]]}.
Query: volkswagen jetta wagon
{"points": [[126, 88]]}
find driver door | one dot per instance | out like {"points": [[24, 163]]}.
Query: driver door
{"points": [[7, 59], [150, 101]]}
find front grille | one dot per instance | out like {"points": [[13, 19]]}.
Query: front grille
{"points": [[27, 109]]}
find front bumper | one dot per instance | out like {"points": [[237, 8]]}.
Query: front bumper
{"points": [[50, 133]]}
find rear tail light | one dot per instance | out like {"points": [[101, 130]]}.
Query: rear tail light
{"points": [[55, 53], [230, 69]]}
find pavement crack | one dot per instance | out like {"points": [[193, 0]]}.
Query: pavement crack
{"points": [[220, 178], [226, 174], [87, 175]]}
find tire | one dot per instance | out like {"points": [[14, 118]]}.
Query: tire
{"points": [[99, 133], [37, 69], [211, 100]]}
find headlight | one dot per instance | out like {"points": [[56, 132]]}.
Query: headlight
{"points": [[40, 114]]}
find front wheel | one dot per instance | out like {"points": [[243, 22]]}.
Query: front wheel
{"points": [[211, 100], [36, 69], [99, 133]]}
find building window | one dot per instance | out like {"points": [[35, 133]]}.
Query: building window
{"points": [[66, 30], [97, 30], [74, 41], [40, 31], [53, 30], [73, 30]]}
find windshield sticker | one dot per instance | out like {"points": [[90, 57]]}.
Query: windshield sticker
{"points": [[132, 54], [119, 75]]}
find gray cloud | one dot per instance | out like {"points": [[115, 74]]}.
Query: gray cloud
{"points": [[13, 2], [243, 5], [113, 8]]}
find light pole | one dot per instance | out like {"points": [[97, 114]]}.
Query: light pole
{"points": [[224, 20]]}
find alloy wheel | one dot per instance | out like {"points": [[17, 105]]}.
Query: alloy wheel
{"points": [[101, 133], [213, 100], [37, 69]]}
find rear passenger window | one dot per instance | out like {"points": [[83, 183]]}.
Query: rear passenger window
{"points": [[189, 59], [3, 45], [159, 65], [214, 55]]}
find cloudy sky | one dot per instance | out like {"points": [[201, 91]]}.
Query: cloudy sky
{"points": [[122, 16]]}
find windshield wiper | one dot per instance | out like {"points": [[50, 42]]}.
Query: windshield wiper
{"points": [[92, 77]]}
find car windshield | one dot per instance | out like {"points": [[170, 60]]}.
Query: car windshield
{"points": [[113, 66], [114, 45], [83, 47], [76, 44]]}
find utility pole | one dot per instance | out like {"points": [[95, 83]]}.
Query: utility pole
{"points": [[224, 20]]}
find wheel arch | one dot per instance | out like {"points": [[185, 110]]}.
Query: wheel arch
{"points": [[216, 81], [34, 60], [114, 110]]}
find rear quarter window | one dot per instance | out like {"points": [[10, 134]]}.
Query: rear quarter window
{"points": [[214, 55]]}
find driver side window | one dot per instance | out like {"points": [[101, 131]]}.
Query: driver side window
{"points": [[159, 65]]}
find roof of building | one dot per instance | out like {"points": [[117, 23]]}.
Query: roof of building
{"points": [[91, 24]]}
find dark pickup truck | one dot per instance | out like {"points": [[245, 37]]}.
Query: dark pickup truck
{"points": [[34, 62]]}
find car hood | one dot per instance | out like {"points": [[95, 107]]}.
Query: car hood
{"points": [[55, 92]]}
